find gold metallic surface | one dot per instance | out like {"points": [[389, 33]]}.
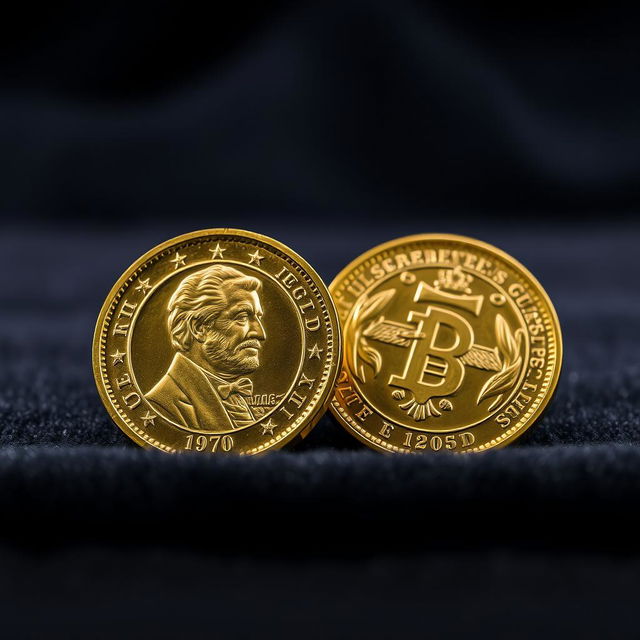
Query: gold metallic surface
{"points": [[449, 345], [217, 341]]}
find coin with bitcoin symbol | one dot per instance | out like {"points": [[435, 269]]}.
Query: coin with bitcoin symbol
{"points": [[218, 341], [450, 345]]}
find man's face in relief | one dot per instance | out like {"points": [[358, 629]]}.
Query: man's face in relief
{"points": [[233, 342]]}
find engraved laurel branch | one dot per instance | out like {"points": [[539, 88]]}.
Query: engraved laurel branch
{"points": [[509, 347], [362, 352]]}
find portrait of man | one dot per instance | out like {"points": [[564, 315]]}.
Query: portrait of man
{"points": [[215, 324]]}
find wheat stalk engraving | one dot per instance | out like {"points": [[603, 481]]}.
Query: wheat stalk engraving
{"points": [[362, 352], [509, 347]]}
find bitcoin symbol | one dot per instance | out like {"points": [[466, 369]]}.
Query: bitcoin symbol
{"points": [[429, 358]]}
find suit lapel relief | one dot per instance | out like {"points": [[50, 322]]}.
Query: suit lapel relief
{"points": [[208, 413]]}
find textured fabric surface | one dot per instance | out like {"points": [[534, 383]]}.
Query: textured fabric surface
{"points": [[150, 592]]}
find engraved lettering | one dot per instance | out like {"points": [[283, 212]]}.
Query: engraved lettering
{"points": [[288, 279], [210, 443], [123, 381], [304, 381], [297, 399], [312, 324], [467, 439], [435, 443], [365, 281], [132, 400], [120, 329], [512, 411], [341, 389], [351, 398], [354, 397], [503, 420], [500, 276], [517, 405], [264, 400], [286, 412], [298, 293], [386, 430], [127, 309], [402, 261], [307, 305]]}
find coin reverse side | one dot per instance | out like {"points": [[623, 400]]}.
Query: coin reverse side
{"points": [[217, 341], [450, 345]]}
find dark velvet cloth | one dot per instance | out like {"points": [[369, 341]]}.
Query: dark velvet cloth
{"points": [[331, 126]]}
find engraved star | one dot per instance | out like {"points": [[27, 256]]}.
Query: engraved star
{"points": [[178, 261], [314, 352], [144, 286], [217, 252], [118, 357], [149, 418], [268, 427], [256, 257]]}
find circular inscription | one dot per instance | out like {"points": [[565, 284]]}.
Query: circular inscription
{"points": [[217, 341], [450, 345]]}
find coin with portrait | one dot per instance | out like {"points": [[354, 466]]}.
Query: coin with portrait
{"points": [[217, 341], [450, 345]]}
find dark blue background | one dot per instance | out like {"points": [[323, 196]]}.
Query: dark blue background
{"points": [[332, 127]]}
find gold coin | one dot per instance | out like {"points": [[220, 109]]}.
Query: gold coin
{"points": [[217, 341], [450, 345]]}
